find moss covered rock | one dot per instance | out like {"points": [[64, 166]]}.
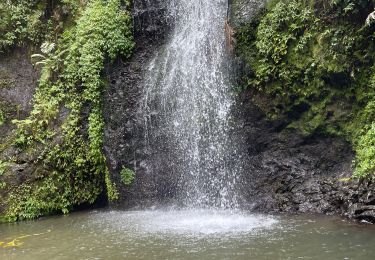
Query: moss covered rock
{"points": [[54, 159], [311, 63]]}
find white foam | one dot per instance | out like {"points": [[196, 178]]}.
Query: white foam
{"points": [[198, 222]]}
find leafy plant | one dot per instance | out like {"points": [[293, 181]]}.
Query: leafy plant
{"points": [[25, 22], [3, 166], [127, 176], [2, 118], [313, 63], [21, 20], [365, 148], [72, 162]]}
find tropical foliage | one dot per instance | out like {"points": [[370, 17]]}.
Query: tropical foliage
{"points": [[66, 124], [313, 63]]}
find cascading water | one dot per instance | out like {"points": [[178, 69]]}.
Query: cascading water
{"points": [[186, 108]]}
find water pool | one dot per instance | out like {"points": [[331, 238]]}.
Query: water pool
{"points": [[186, 234]]}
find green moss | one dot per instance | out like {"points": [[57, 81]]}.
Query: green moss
{"points": [[315, 61], [71, 160]]}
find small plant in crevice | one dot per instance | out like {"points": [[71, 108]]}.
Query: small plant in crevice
{"points": [[127, 176], [2, 117]]}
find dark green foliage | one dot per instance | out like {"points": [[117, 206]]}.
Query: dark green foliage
{"points": [[313, 61], [2, 117], [25, 22], [20, 21], [127, 176], [72, 167], [348, 8]]}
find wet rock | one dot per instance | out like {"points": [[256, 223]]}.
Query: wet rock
{"points": [[123, 133], [150, 19], [295, 173], [368, 216], [18, 79], [242, 11], [300, 174], [288, 172]]}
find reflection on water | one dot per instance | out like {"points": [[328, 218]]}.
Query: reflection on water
{"points": [[186, 234]]}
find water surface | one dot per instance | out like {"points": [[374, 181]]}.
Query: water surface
{"points": [[186, 234]]}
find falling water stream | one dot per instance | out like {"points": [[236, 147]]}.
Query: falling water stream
{"points": [[186, 107], [186, 110]]}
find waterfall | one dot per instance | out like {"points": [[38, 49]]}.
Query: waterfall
{"points": [[186, 108]]}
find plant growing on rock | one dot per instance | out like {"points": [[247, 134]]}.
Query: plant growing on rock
{"points": [[127, 176], [3, 166], [313, 63], [69, 157]]}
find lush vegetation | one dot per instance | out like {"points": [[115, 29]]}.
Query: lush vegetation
{"points": [[312, 63], [26, 22], [21, 21], [65, 128]]}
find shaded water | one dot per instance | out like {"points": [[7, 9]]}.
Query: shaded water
{"points": [[187, 234]]}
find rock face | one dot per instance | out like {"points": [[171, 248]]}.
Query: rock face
{"points": [[241, 11], [292, 173], [18, 80], [124, 135]]}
